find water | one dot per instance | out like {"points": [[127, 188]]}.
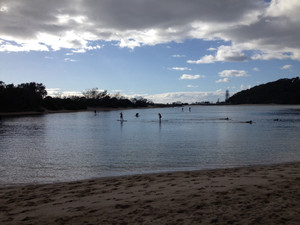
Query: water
{"points": [[73, 146]]}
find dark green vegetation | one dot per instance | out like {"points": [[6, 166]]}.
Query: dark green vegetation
{"points": [[33, 97], [283, 91], [23, 97]]}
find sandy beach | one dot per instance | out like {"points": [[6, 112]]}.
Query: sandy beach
{"points": [[250, 195]]}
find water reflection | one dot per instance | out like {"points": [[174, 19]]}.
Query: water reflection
{"points": [[59, 147]]}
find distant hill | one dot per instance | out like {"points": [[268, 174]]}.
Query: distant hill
{"points": [[283, 91]]}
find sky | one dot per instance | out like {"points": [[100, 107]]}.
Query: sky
{"points": [[165, 51]]}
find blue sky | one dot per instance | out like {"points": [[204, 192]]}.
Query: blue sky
{"points": [[166, 51]]}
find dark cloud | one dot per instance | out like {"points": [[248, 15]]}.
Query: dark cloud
{"points": [[248, 24], [145, 14]]}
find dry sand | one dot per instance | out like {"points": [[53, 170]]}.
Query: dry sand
{"points": [[252, 195]]}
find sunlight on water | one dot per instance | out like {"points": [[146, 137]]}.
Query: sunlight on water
{"points": [[72, 146]]}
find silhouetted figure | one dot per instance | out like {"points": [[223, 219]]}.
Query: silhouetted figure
{"points": [[250, 122], [121, 116], [226, 118], [159, 117], [182, 109], [95, 112], [137, 115], [190, 109]]}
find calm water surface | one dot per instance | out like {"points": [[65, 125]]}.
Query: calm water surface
{"points": [[72, 146]]}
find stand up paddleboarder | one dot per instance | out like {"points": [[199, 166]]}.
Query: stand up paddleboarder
{"points": [[159, 117]]}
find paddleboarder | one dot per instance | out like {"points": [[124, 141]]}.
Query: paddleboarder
{"points": [[159, 116]]}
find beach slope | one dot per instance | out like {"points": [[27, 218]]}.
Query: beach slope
{"points": [[250, 195]]}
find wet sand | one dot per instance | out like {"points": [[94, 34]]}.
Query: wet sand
{"points": [[250, 195]]}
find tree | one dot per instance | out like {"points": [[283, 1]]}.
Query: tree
{"points": [[32, 96], [140, 101], [91, 93], [94, 93], [37, 89], [24, 97]]}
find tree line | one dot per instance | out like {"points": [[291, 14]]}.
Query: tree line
{"points": [[33, 97]]}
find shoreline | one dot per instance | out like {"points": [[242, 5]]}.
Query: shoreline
{"points": [[33, 113], [90, 109], [154, 173], [260, 194]]}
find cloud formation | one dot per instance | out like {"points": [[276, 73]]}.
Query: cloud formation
{"points": [[178, 56], [224, 80], [192, 86], [233, 73], [191, 77], [186, 97], [180, 68], [286, 67], [268, 30], [57, 92], [223, 54]]}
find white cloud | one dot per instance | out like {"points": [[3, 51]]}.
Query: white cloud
{"points": [[211, 49], [271, 30], [180, 68], [22, 46], [223, 54], [191, 77], [71, 93], [286, 67], [192, 86], [233, 73], [224, 80], [79, 51], [204, 60], [3, 9], [255, 69], [269, 54], [53, 92], [288, 8], [57, 92], [186, 97], [70, 60], [178, 56]]}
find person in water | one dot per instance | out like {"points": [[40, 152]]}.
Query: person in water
{"points": [[137, 115], [159, 116]]}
